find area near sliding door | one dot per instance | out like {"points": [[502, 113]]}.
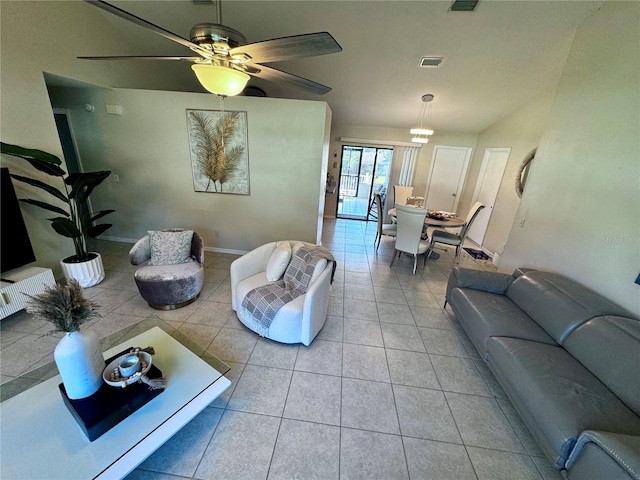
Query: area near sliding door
{"points": [[363, 170]]}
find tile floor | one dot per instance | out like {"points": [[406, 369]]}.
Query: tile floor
{"points": [[390, 389]]}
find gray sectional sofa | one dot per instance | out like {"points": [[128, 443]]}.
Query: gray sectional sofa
{"points": [[568, 359]]}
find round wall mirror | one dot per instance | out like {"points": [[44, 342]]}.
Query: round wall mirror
{"points": [[523, 172]]}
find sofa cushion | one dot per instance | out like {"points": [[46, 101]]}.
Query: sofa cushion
{"points": [[493, 282], [278, 261], [245, 286], [162, 285], [286, 326], [484, 315], [610, 348], [557, 397], [558, 304], [317, 271], [605, 455], [170, 247]]}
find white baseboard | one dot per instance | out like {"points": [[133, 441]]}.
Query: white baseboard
{"points": [[206, 249], [118, 239]]}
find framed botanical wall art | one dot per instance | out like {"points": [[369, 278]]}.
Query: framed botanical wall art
{"points": [[219, 151]]}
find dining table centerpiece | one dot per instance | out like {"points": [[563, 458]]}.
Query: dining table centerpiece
{"points": [[78, 355]]}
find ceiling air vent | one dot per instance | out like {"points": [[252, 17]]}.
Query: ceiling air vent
{"points": [[463, 5], [431, 62]]}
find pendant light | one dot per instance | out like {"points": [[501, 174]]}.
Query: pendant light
{"points": [[421, 133]]}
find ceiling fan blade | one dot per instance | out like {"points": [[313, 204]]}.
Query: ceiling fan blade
{"points": [[288, 48], [144, 23], [142, 57], [288, 79]]}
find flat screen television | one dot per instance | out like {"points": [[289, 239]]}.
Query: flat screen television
{"points": [[15, 244]]}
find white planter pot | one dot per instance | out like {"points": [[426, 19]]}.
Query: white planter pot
{"points": [[87, 273], [80, 363]]}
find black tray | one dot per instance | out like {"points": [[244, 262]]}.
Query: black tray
{"points": [[107, 407]]}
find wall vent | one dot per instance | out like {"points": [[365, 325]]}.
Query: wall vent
{"points": [[431, 62], [463, 5]]}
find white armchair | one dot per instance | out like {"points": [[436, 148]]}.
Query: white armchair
{"points": [[298, 321]]}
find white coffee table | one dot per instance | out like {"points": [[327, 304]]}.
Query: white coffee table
{"points": [[41, 440]]}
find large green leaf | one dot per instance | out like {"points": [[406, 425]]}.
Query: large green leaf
{"points": [[46, 206], [42, 161], [98, 215], [37, 183], [97, 230], [65, 227], [82, 184]]}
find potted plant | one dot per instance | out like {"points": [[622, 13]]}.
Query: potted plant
{"points": [[76, 223], [77, 355]]}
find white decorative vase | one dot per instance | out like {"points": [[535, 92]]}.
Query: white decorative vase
{"points": [[87, 273], [80, 363]]}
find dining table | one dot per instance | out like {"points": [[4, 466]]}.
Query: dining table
{"points": [[447, 222]]}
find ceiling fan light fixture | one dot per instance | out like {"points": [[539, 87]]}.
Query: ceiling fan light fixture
{"points": [[220, 80]]}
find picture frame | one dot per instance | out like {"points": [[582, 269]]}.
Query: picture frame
{"points": [[219, 152]]}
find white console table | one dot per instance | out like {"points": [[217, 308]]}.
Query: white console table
{"points": [[29, 280]]}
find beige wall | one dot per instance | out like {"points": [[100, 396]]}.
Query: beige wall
{"points": [[37, 37], [148, 148], [582, 201], [520, 131]]}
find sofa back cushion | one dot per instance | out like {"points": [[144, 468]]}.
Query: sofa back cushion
{"points": [[557, 303], [609, 347], [278, 261]]}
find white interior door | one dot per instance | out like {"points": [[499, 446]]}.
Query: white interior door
{"points": [[446, 177], [487, 187]]}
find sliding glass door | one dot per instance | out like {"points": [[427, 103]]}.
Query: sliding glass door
{"points": [[363, 170]]}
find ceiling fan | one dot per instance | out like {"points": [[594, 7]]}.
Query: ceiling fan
{"points": [[225, 61]]}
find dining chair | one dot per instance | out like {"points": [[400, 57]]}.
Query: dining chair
{"points": [[389, 229], [410, 221], [455, 239], [400, 194], [371, 211]]}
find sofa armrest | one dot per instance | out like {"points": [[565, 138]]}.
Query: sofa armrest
{"points": [[141, 251], [605, 455], [493, 282], [249, 264], [316, 304]]}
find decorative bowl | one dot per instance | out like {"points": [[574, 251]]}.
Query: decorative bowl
{"points": [[111, 374]]}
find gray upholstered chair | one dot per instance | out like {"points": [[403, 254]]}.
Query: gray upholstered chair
{"points": [[169, 286], [455, 239]]}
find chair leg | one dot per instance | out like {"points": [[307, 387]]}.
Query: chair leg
{"points": [[415, 262], [393, 258], [376, 242], [445, 303], [457, 253]]}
